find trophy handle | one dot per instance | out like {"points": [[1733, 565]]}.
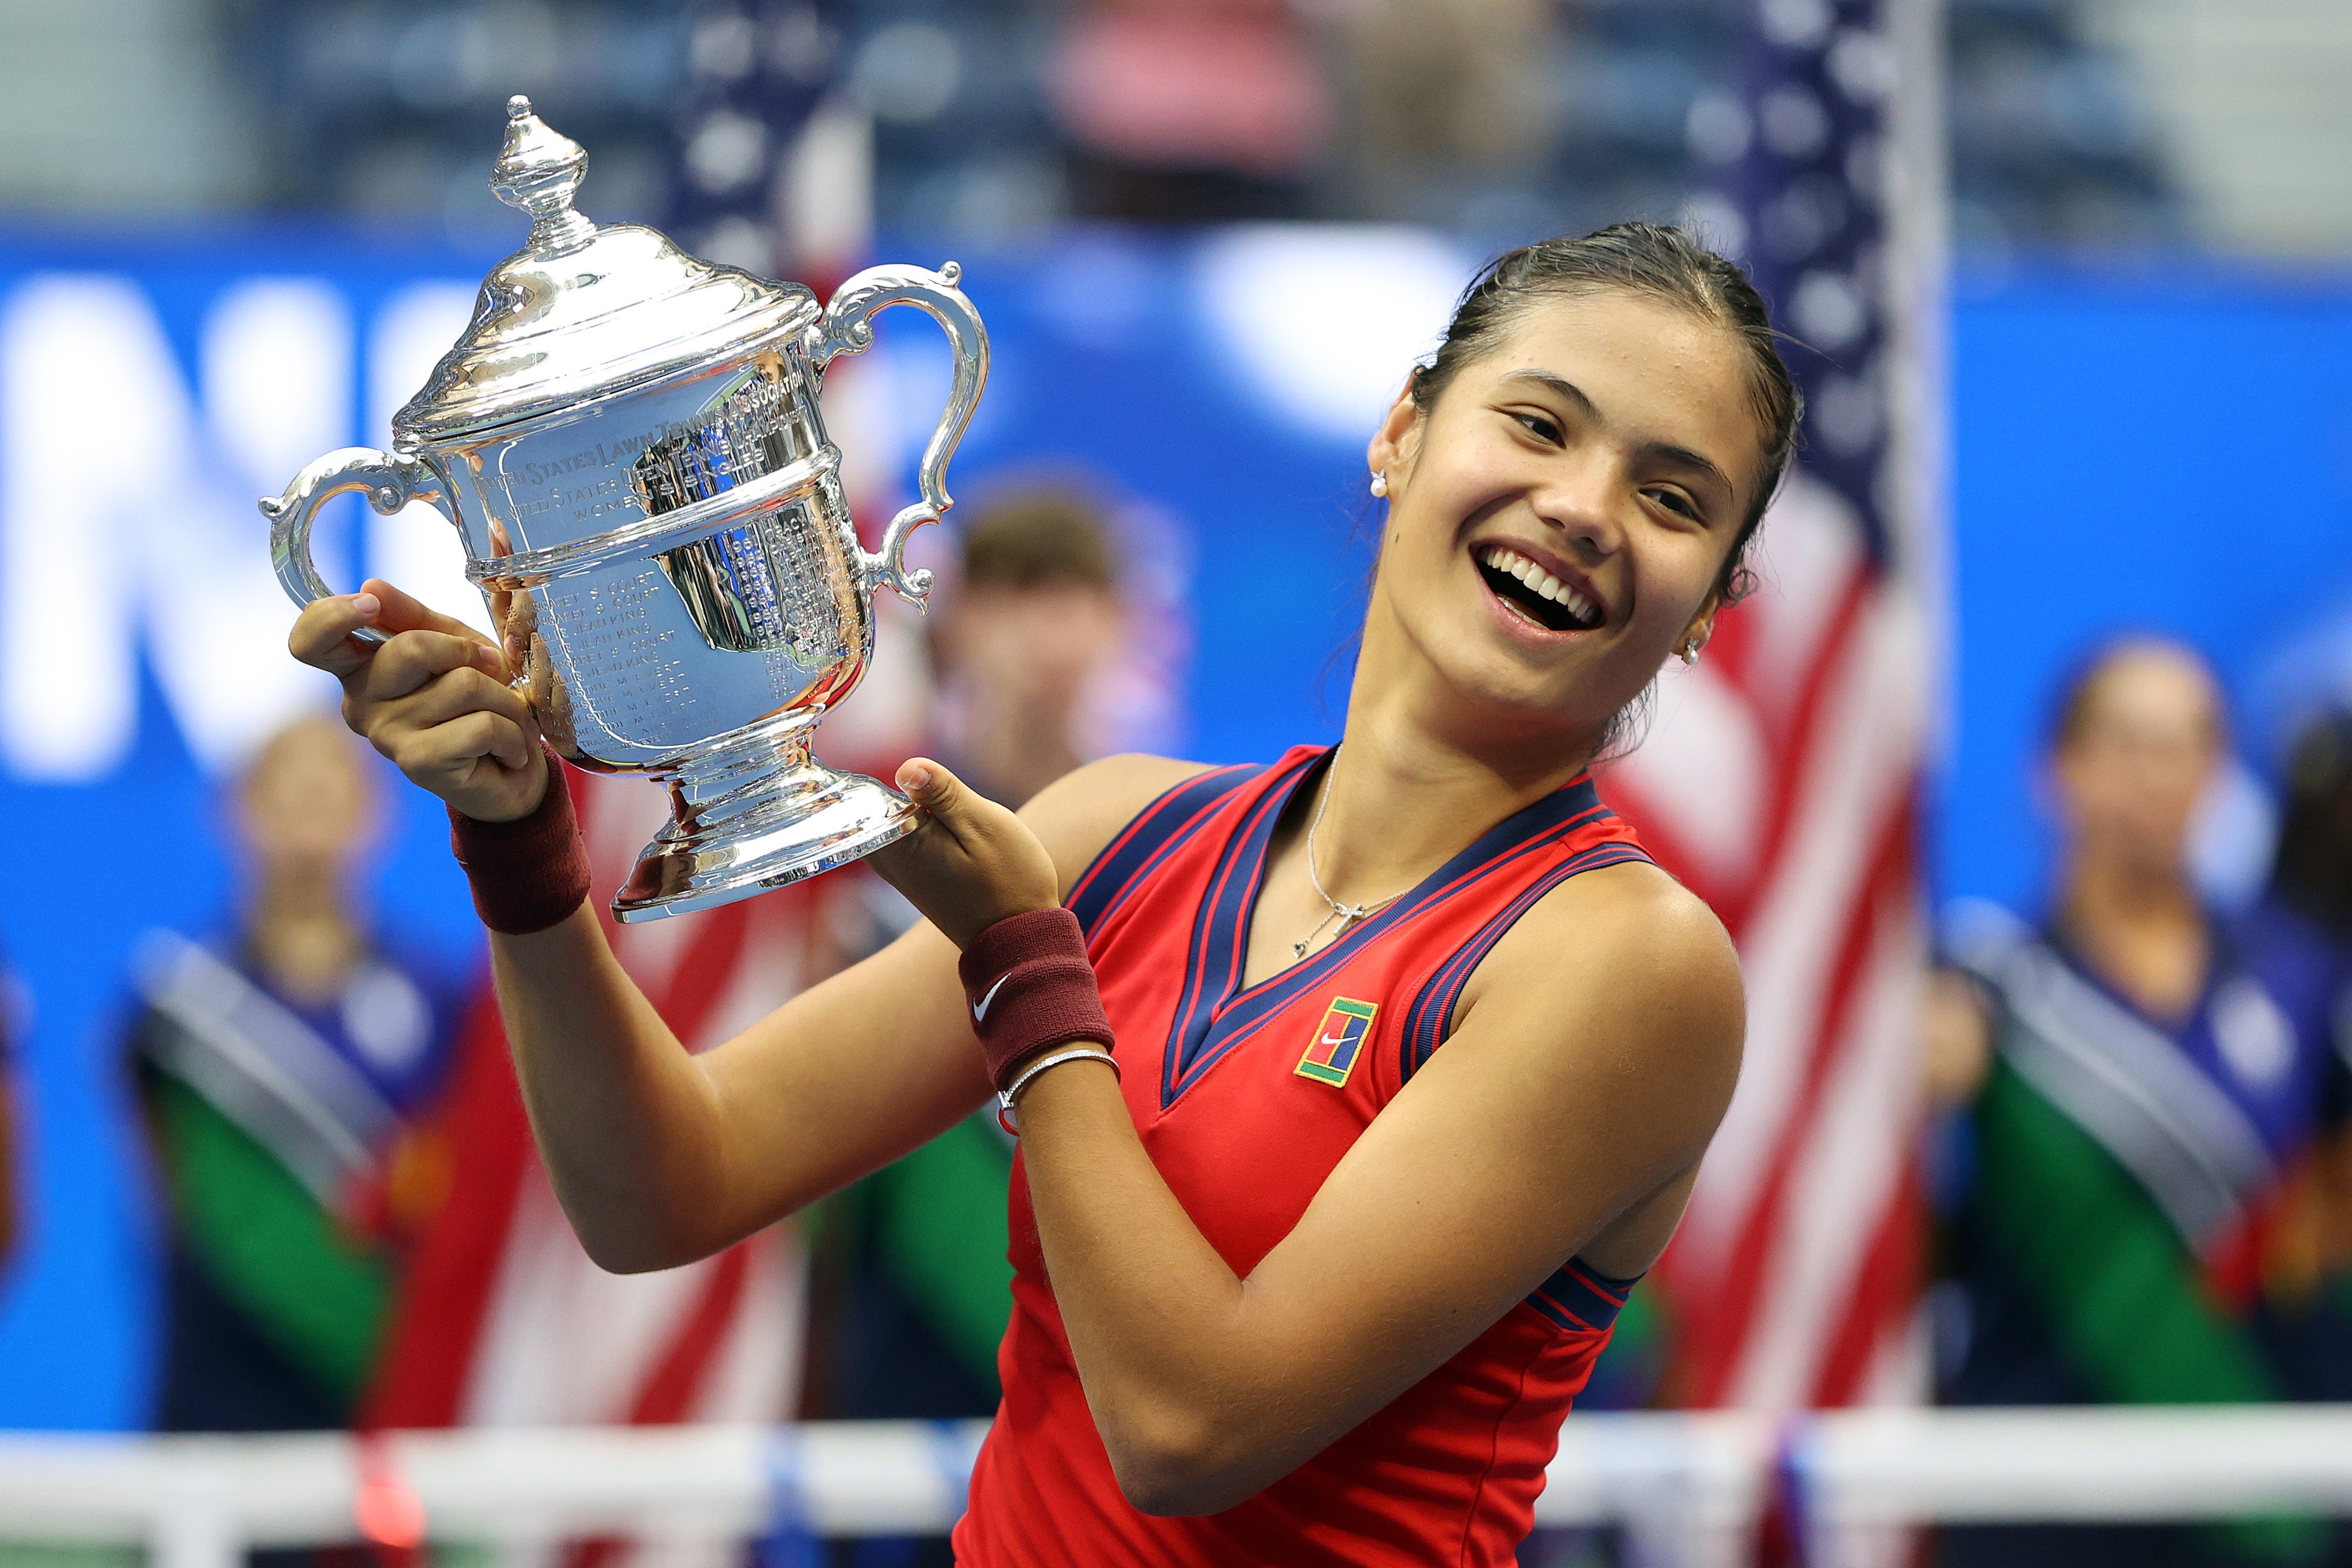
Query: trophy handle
{"points": [[846, 328], [391, 482]]}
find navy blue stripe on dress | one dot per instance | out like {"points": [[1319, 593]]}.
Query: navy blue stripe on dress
{"points": [[1579, 1298], [1214, 959], [1430, 1019], [1211, 1021], [1158, 830], [1246, 1014]]}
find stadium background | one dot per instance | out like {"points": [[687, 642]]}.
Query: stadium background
{"points": [[2149, 417]]}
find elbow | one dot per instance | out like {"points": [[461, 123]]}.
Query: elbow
{"points": [[649, 1244], [1175, 1465], [628, 1255], [619, 1247], [643, 1233], [1171, 1486]]}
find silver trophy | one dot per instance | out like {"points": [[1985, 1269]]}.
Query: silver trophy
{"points": [[628, 442]]}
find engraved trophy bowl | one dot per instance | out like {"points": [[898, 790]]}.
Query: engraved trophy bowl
{"points": [[629, 443]]}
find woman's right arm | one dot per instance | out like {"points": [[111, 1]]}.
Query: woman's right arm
{"points": [[658, 1157]]}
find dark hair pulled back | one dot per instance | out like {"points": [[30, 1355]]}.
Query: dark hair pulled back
{"points": [[1653, 262]]}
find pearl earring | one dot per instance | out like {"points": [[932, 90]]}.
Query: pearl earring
{"points": [[1690, 651], [1380, 483]]}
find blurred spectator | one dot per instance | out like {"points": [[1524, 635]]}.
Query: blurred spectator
{"points": [[1448, 98], [2149, 1085], [280, 1066], [1036, 616], [2311, 1252], [2313, 874], [1189, 110], [913, 1287]]}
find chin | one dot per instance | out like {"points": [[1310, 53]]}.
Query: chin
{"points": [[1509, 675]]}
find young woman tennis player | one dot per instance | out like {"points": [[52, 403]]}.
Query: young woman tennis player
{"points": [[1353, 1091]]}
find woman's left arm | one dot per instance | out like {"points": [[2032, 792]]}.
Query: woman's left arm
{"points": [[1600, 1048]]}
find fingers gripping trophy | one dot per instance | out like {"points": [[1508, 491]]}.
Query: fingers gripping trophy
{"points": [[629, 443]]}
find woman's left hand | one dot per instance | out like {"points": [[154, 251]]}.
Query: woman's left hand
{"points": [[972, 863]]}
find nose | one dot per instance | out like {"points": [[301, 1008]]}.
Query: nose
{"points": [[1579, 499]]}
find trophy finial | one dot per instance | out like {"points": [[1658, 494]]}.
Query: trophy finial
{"points": [[538, 169]]}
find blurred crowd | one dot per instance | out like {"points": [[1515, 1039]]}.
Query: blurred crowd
{"points": [[989, 118]]}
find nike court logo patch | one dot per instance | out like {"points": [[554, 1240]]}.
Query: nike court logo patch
{"points": [[979, 1008], [1339, 1041]]}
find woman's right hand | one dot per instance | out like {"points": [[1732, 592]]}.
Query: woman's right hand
{"points": [[434, 698]]}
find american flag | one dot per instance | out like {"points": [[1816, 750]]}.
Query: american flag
{"points": [[758, 74], [1781, 780], [503, 1319]]}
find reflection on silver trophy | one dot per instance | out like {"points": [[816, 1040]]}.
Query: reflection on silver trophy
{"points": [[628, 442]]}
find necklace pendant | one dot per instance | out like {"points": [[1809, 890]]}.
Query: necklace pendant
{"points": [[1299, 948]]}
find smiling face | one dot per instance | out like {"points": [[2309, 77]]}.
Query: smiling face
{"points": [[1559, 519]]}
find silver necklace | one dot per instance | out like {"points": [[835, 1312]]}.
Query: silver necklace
{"points": [[1346, 914]]}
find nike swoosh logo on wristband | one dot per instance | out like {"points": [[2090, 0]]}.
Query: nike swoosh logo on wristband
{"points": [[979, 1008]]}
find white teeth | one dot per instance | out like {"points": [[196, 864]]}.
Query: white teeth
{"points": [[1542, 582]]}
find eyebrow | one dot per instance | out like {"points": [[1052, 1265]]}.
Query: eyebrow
{"points": [[1679, 456]]}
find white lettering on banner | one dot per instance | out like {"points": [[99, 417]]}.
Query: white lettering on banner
{"points": [[124, 509], [274, 369], [69, 698], [416, 549]]}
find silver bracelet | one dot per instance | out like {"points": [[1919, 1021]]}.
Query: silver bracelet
{"points": [[1011, 1091]]}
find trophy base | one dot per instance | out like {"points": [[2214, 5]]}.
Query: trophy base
{"points": [[786, 826]]}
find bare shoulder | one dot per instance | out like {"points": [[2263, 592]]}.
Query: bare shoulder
{"points": [[1629, 946], [1634, 906], [1077, 814]]}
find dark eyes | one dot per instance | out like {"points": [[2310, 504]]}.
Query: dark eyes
{"points": [[1544, 428], [1675, 501]]}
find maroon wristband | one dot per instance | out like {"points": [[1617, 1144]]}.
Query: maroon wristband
{"points": [[530, 873], [1028, 985]]}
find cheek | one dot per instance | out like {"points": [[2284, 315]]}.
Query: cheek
{"points": [[1422, 535], [1672, 578]]}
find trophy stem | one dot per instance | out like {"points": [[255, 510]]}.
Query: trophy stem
{"points": [[761, 813]]}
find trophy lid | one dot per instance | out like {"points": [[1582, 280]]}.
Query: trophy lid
{"points": [[584, 311]]}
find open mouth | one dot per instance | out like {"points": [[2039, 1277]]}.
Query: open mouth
{"points": [[1535, 593]]}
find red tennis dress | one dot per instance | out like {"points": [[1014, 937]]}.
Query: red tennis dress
{"points": [[1246, 1099]]}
